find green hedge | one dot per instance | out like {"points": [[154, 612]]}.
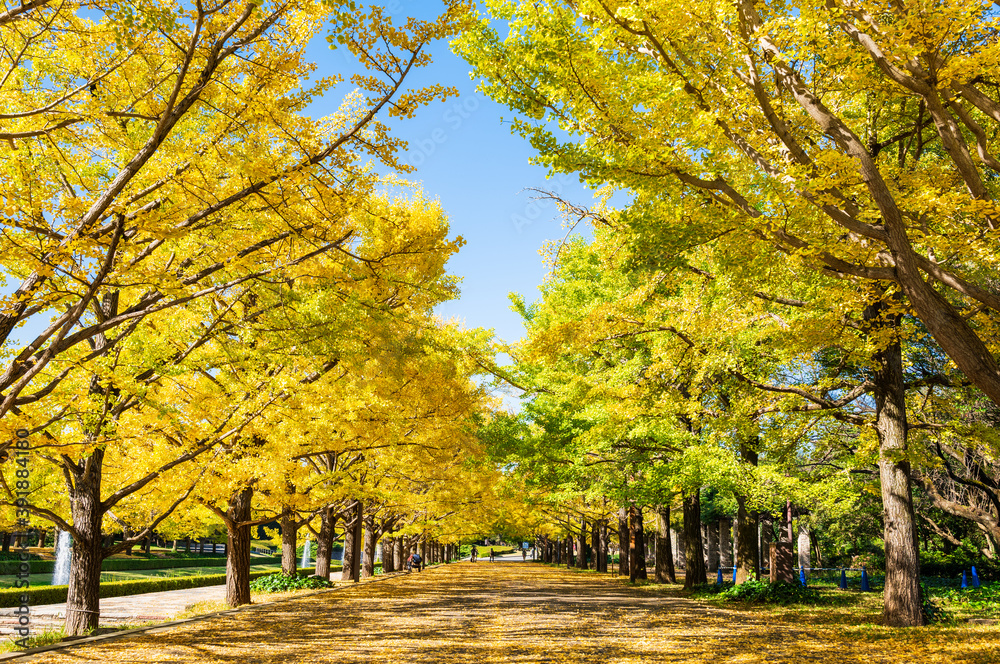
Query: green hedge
{"points": [[57, 594], [130, 564]]}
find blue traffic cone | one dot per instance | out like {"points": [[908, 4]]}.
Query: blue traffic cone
{"points": [[718, 581], [965, 582], [734, 575], [843, 579], [975, 577], [864, 580], [802, 576]]}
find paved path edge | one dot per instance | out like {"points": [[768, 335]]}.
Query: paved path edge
{"points": [[165, 626]]}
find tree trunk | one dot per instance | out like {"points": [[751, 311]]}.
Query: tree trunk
{"points": [[388, 547], [370, 540], [324, 542], [623, 542], [581, 558], [903, 607], [712, 555], [595, 546], [746, 531], [289, 543], [787, 528], [816, 549], [358, 540], [694, 553], [602, 539], [352, 544], [664, 552], [726, 543], [766, 535], [187, 544], [636, 544], [238, 551], [83, 597], [398, 559]]}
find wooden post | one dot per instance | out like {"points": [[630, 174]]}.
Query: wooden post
{"points": [[781, 562]]}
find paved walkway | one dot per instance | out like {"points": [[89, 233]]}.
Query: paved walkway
{"points": [[509, 613]]}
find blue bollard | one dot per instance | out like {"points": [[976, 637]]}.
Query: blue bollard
{"points": [[734, 575], [802, 576], [718, 581], [965, 583], [843, 579], [975, 577], [864, 580]]}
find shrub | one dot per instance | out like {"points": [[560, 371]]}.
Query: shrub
{"points": [[124, 564], [10, 565], [278, 582], [760, 592], [16, 555], [933, 610], [984, 599], [951, 566]]}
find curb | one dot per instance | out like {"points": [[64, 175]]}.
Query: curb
{"points": [[26, 655]]}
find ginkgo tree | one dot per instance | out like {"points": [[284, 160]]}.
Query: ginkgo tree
{"points": [[858, 135], [857, 139], [188, 178], [699, 375], [164, 181]]}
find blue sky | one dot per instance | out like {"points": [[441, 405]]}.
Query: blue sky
{"points": [[467, 158]]}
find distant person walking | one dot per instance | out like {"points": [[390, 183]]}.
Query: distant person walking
{"points": [[493, 555], [475, 554], [524, 554]]}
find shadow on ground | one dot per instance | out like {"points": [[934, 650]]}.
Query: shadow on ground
{"points": [[509, 613]]}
